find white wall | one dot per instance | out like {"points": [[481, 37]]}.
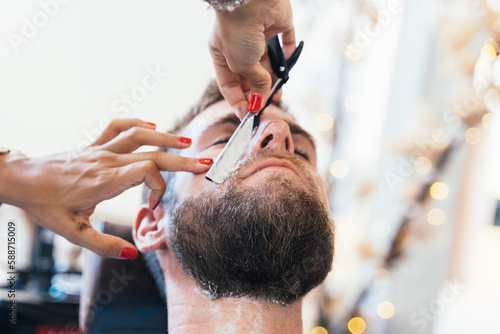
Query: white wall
{"points": [[61, 80]]}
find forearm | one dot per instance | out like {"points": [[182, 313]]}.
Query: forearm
{"points": [[12, 172]]}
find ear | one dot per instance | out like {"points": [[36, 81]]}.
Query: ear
{"points": [[148, 234]]}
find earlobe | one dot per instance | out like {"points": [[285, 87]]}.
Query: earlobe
{"points": [[148, 234]]}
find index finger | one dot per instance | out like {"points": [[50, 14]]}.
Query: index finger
{"points": [[168, 162], [118, 126], [136, 137]]}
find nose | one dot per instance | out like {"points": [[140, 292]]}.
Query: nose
{"points": [[275, 136]]}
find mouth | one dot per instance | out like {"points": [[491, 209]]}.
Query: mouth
{"points": [[269, 165]]}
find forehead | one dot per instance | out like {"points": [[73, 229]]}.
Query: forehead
{"points": [[221, 110]]}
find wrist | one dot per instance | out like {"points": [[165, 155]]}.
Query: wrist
{"points": [[8, 176], [226, 5]]}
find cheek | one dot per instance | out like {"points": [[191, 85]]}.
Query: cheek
{"points": [[188, 184], [321, 187]]}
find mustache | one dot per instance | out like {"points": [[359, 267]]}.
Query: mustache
{"points": [[266, 154]]}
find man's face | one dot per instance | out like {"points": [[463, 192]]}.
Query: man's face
{"points": [[266, 231], [277, 132]]}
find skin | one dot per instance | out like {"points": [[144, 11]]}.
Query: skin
{"points": [[189, 309], [239, 50], [61, 191]]}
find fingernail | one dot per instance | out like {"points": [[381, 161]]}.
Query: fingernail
{"points": [[255, 102], [206, 161], [151, 124], [156, 205], [128, 253], [184, 140]]}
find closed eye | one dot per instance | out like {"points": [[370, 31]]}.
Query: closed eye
{"points": [[302, 154], [221, 141]]}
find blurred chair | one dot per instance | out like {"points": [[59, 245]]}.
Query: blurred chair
{"points": [[120, 296]]}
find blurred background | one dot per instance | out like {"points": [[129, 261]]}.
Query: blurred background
{"points": [[403, 97]]}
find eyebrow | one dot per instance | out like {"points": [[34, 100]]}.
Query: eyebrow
{"points": [[228, 119], [295, 129]]}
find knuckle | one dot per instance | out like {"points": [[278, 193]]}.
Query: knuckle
{"points": [[154, 156], [102, 157], [162, 186], [114, 125], [134, 133], [149, 166], [230, 84]]}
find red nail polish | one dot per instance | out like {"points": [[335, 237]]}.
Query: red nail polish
{"points": [[128, 253], [184, 140], [255, 102], [156, 205], [152, 124], [206, 161]]}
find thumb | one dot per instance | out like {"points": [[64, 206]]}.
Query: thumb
{"points": [[83, 234]]}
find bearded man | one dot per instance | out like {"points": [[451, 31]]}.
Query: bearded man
{"points": [[240, 256]]}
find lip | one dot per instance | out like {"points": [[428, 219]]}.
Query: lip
{"points": [[268, 163]]}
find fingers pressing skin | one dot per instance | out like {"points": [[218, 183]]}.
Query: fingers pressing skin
{"points": [[73, 183], [145, 167], [118, 126], [136, 137], [166, 161]]}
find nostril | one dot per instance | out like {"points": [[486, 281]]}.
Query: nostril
{"points": [[286, 144], [266, 141]]}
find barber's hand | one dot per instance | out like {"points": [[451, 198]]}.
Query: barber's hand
{"points": [[239, 49], [61, 191]]}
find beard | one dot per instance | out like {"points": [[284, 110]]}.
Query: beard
{"points": [[274, 240]]}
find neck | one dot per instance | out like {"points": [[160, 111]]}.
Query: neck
{"points": [[191, 311]]}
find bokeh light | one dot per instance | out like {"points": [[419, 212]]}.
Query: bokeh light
{"points": [[339, 169], [386, 310], [319, 330], [494, 5], [473, 136], [436, 216], [324, 122], [353, 53], [488, 52], [356, 325], [382, 277], [439, 190], [423, 165], [486, 121], [351, 102]]}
